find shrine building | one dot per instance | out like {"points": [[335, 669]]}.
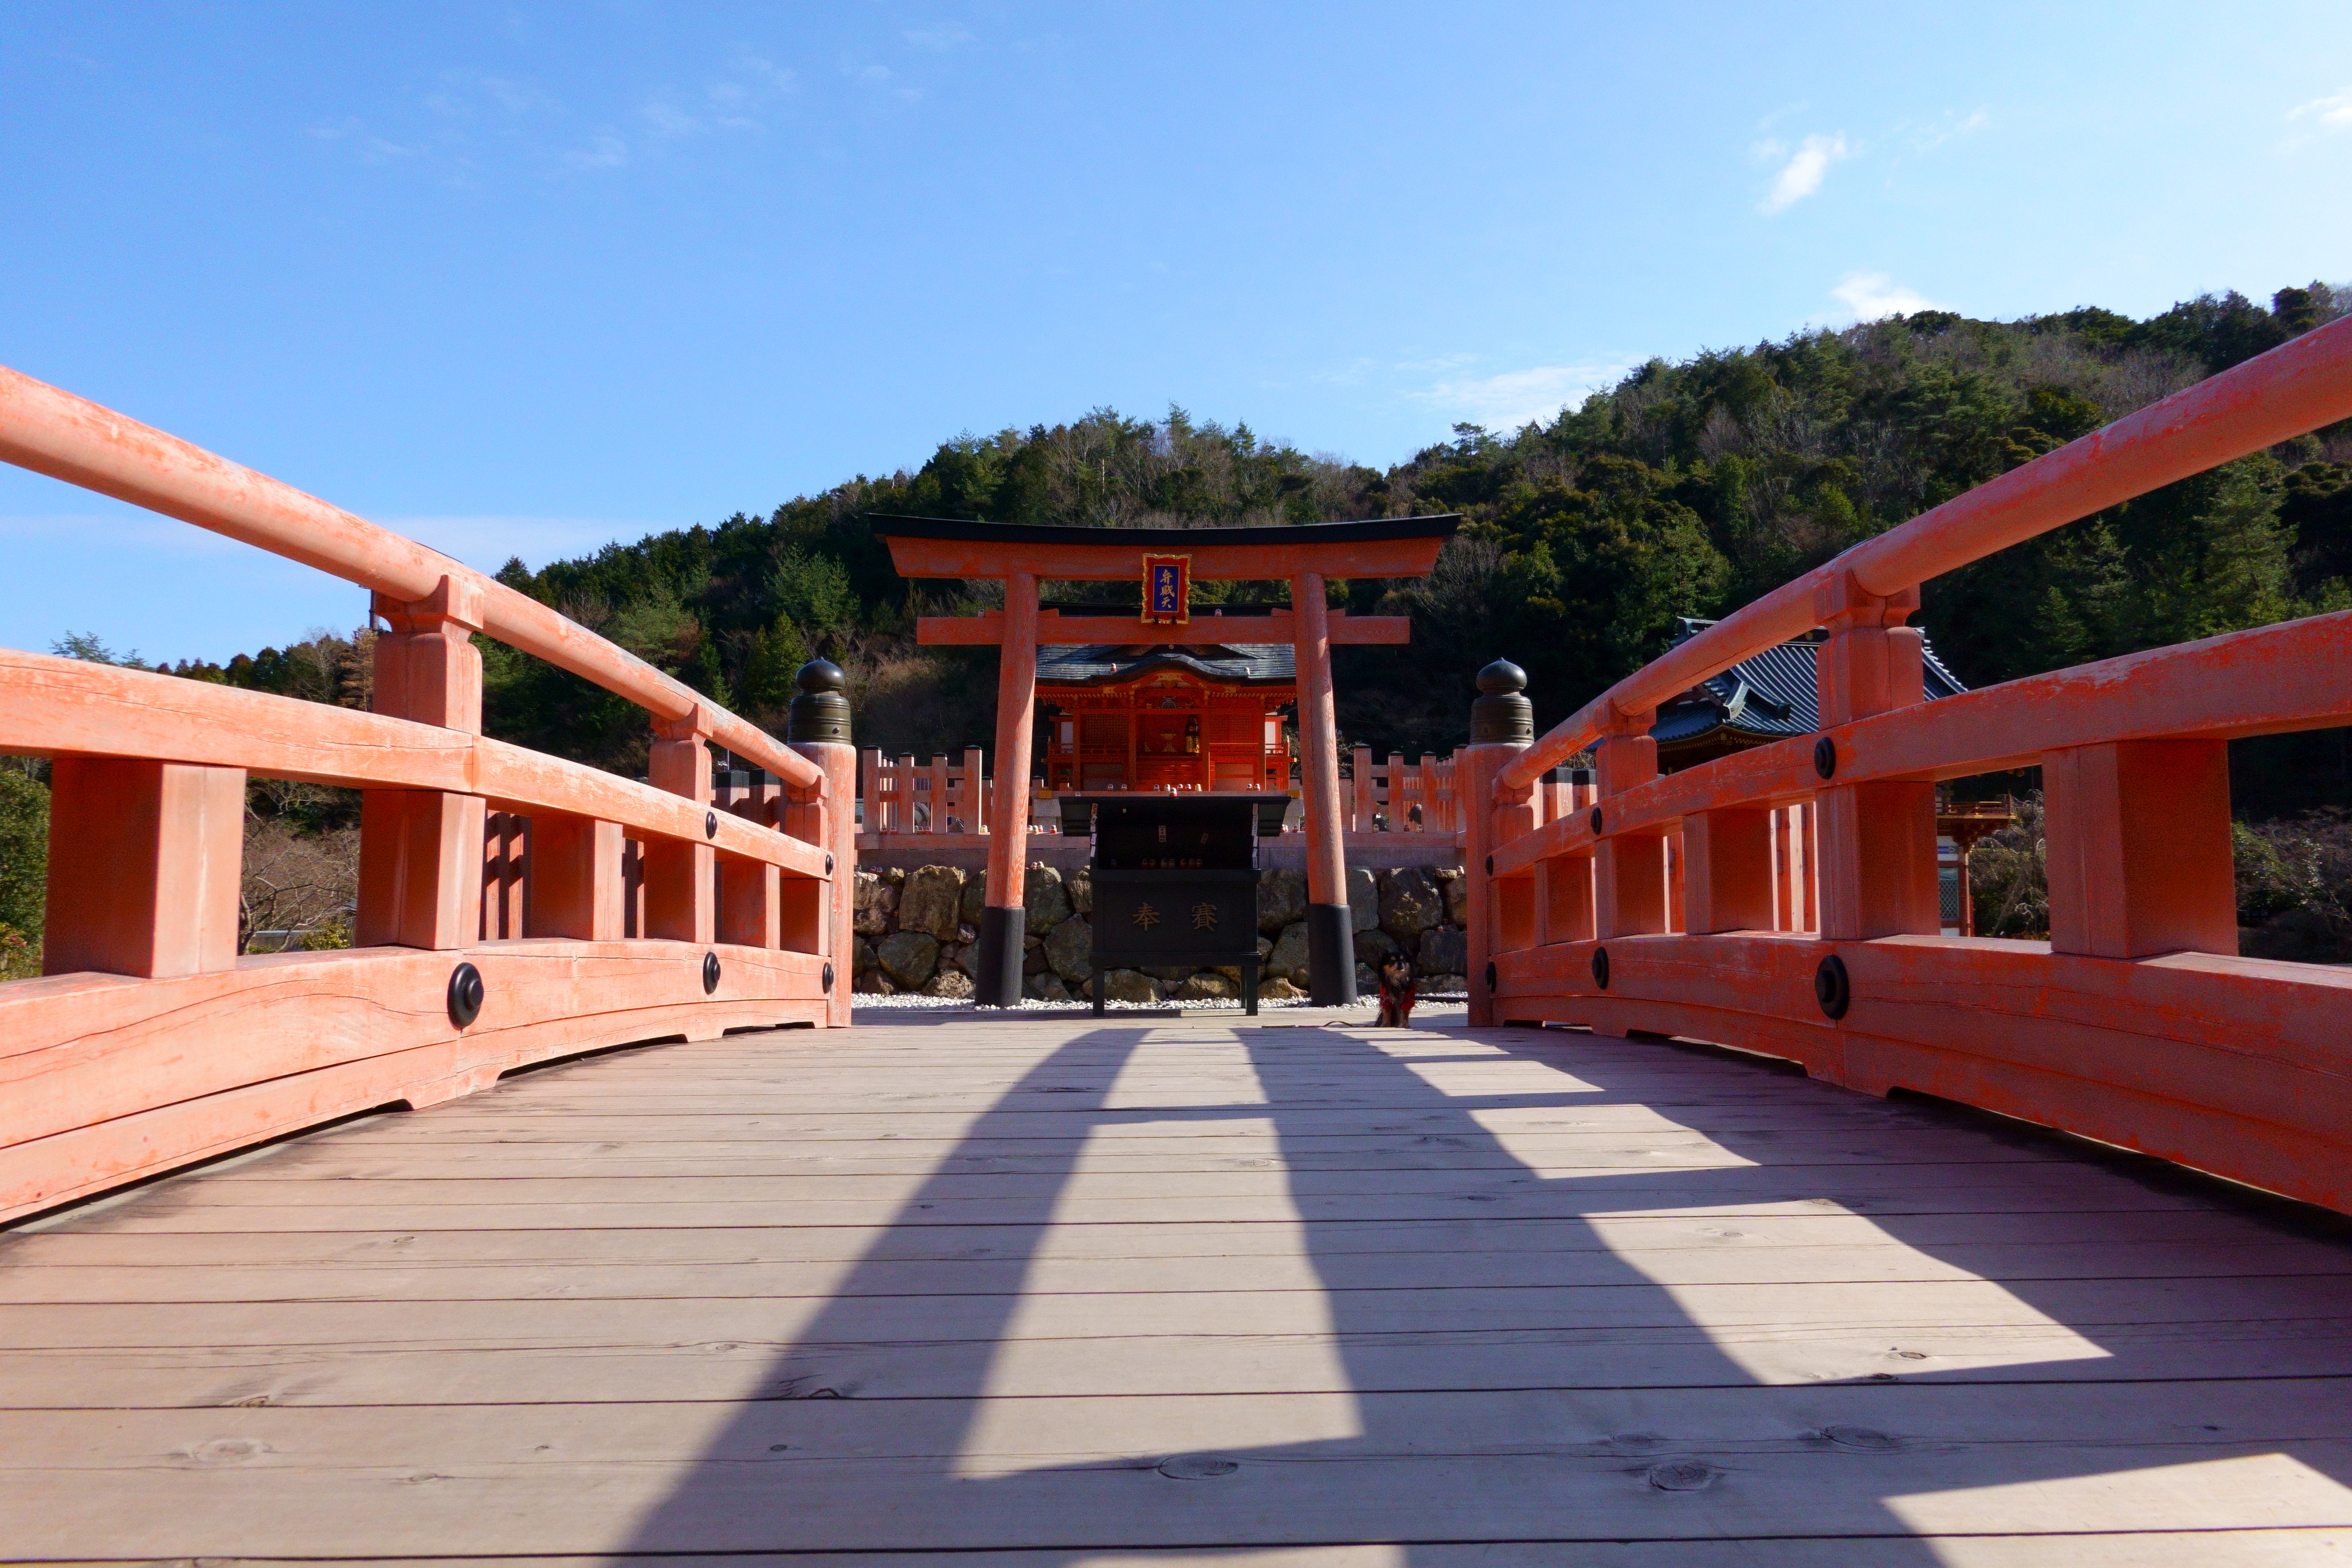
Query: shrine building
{"points": [[1159, 716]]}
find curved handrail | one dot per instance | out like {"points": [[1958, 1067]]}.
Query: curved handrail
{"points": [[51, 706], [53, 432], [2296, 387]]}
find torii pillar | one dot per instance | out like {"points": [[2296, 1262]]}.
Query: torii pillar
{"points": [[1004, 919], [1023, 556]]}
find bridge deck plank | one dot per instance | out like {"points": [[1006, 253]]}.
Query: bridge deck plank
{"points": [[954, 1284]]}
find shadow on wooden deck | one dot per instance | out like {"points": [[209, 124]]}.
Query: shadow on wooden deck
{"points": [[1611, 1361]]}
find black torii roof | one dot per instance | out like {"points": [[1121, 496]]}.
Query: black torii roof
{"points": [[1438, 525]]}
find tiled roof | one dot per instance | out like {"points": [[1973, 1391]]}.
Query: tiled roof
{"points": [[1768, 697], [1243, 664]]}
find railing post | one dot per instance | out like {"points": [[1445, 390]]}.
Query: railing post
{"points": [[2137, 845], [679, 888], [749, 909], [1629, 871], [818, 729], [506, 875], [578, 882], [145, 860], [1727, 870], [1502, 725], [421, 850], [1564, 883], [1877, 841]]}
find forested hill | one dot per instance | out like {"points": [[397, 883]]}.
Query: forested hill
{"points": [[1688, 488]]}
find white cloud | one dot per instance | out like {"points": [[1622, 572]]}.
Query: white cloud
{"points": [[726, 105], [1874, 296], [601, 153], [939, 40], [2334, 112], [669, 120], [880, 78], [463, 93], [1803, 175], [1518, 398], [1928, 138], [780, 79]]}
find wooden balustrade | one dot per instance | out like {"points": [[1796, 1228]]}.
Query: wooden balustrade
{"points": [[1784, 900], [942, 795], [948, 794], [1389, 795], [512, 907]]}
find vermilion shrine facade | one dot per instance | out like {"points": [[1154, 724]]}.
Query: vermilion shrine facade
{"points": [[1164, 715], [1150, 717]]}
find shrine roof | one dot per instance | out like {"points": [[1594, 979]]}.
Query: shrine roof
{"points": [[1768, 696], [1241, 664]]}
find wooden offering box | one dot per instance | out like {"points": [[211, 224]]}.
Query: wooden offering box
{"points": [[1175, 880]]}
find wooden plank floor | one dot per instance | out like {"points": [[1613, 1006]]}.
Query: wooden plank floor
{"points": [[1023, 1291]]}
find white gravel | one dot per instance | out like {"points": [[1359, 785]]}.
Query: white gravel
{"points": [[909, 1001]]}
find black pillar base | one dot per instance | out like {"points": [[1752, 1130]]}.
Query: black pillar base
{"points": [[1330, 955], [996, 974]]}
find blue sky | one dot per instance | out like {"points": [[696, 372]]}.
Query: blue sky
{"points": [[524, 278]]}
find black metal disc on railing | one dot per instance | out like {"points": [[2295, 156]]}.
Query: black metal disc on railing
{"points": [[1596, 822], [465, 995], [1825, 757], [1601, 967], [710, 973], [1832, 988]]}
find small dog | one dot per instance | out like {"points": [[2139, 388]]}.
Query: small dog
{"points": [[1396, 992]]}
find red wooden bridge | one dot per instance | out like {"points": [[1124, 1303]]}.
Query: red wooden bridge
{"points": [[1729, 1264]]}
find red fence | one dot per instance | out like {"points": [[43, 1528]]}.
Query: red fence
{"points": [[512, 905], [2135, 1023]]}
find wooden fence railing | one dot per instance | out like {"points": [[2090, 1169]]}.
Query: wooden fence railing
{"points": [[2135, 1023], [899, 795], [498, 915], [1389, 794], [948, 793]]}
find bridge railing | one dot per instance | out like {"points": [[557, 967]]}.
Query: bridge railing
{"points": [[512, 905], [2135, 1023]]}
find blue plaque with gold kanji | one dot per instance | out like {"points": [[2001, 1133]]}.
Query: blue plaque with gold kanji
{"points": [[1167, 590]]}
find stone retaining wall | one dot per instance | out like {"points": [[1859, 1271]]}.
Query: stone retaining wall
{"points": [[916, 928]]}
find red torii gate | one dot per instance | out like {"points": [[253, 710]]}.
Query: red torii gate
{"points": [[1305, 555]]}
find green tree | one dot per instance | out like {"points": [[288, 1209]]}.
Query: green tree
{"points": [[24, 870]]}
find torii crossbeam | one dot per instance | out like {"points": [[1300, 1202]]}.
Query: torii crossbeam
{"points": [[1307, 556]]}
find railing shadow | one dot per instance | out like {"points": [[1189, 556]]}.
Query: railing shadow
{"points": [[867, 1444]]}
